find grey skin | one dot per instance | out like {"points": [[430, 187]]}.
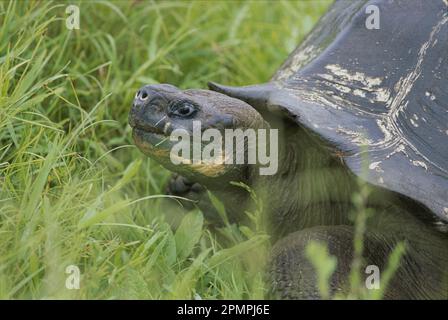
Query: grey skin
{"points": [[345, 89]]}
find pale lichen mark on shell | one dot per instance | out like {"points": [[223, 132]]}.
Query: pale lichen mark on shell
{"points": [[326, 98], [311, 96], [298, 60], [340, 81], [357, 137], [413, 122], [368, 82], [398, 149], [376, 166], [420, 164], [431, 96], [343, 80]]}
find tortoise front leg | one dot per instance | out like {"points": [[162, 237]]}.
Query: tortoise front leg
{"points": [[181, 186]]}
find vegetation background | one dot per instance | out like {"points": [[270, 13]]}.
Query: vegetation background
{"points": [[73, 188]]}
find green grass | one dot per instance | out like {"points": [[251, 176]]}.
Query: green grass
{"points": [[73, 188]]}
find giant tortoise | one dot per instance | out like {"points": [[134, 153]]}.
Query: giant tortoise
{"points": [[350, 104]]}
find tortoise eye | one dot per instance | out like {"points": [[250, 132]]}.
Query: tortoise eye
{"points": [[183, 109]]}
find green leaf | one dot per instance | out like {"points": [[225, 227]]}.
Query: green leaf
{"points": [[392, 265], [188, 233], [325, 265], [36, 190], [185, 282], [170, 249], [128, 175], [92, 216], [219, 206], [247, 232], [152, 50], [239, 249], [136, 286]]}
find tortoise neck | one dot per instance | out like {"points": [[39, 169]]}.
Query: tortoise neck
{"points": [[319, 185]]}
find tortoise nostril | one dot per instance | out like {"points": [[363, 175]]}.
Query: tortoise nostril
{"points": [[140, 97]]}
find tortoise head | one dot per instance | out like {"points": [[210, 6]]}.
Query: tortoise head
{"points": [[160, 111]]}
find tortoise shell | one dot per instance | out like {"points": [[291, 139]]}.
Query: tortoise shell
{"points": [[378, 95]]}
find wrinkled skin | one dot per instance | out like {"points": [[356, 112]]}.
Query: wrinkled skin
{"points": [[308, 199]]}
